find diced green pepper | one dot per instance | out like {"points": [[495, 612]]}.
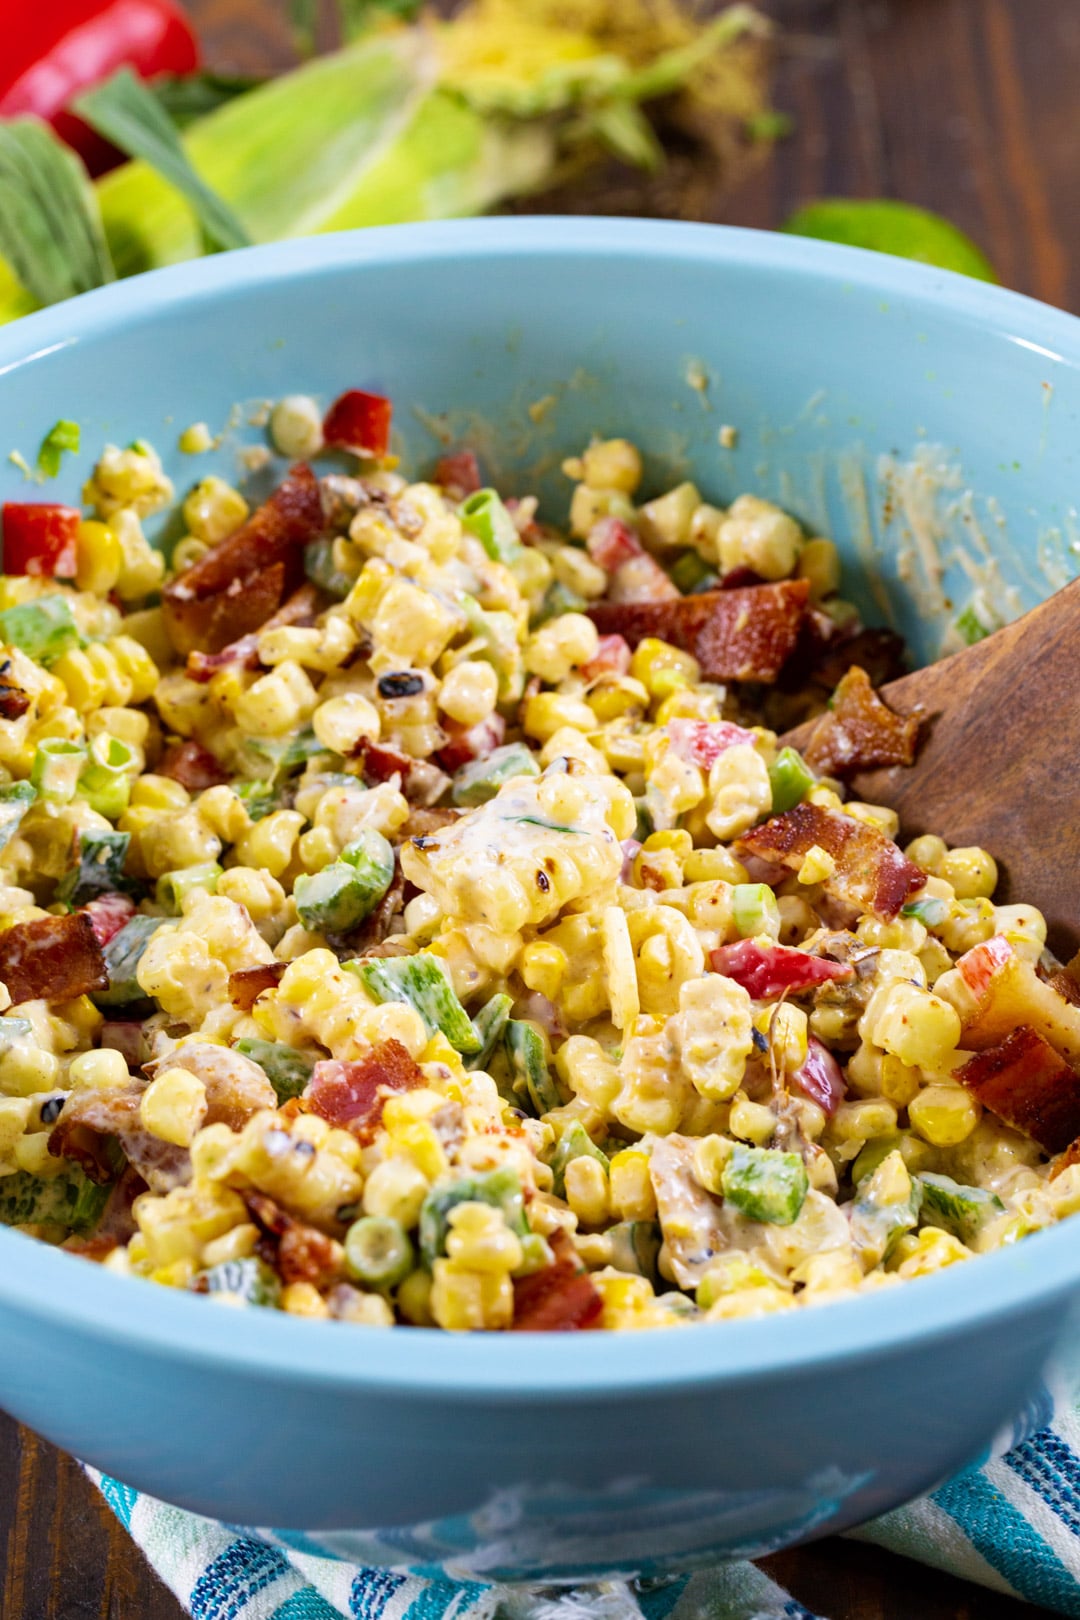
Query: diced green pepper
{"points": [[249, 1279], [42, 629], [15, 800], [378, 1251], [527, 1053], [56, 768], [574, 1143], [754, 910], [490, 1023], [283, 754], [70, 1200], [765, 1185], [346, 891], [106, 779], [499, 1188], [173, 886], [100, 869], [258, 798], [320, 568], [635, 1247], [690, 573], [63, 435], [915, 1153], [645, 824], [122, 956], [287, 1070], [480, 780], [791, 779], [484, 515], [964, 1211], [423, 982], [878, 1222], [970, 628]]}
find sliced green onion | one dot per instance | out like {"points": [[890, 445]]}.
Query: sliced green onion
{"points": [[931, 911], [250, 1280], [100, 870], [500, 1188], [105, 783], [484, 515], [172, 887], [691, 573], [961, 1210], [970, 628], [122, 956], [287, 1070], [378, 1251], [754, 910], [320, 569], [480, 780], [574, 1143], [56, 768], [15, 799], [490, 1023], [791, 779], [346, 891], [557, 600]]}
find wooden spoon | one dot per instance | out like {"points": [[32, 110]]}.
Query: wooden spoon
{"points": [[999, 759]]}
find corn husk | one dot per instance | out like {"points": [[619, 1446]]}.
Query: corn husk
{"points": [[432, 121]]}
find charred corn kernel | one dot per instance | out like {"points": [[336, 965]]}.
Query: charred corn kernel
{"points": [[234, 1245], [411, 627], [176, 1226], [928, 852], [31, 1153], [739, 791], [972, 872], [711, 865], [143, 568], [576, 570], [559, 646], [15, 1113], [825, 1275], [187, 552], [817, 865], [748, 1302], [755, 534], [876, 815], [470, 1300], [920, 1254], [469, 692], [277, 702], [195, 440], [617, 697], [630, 1187], [480, 1240], [296, 427], [901, 934], [913, 1024], [304, 1299], [546, 712], [819, 562], [269, 843], [173, 1106], [944, 1115], [98, 557], [969, 923], [611, 464], [658, 864], [862, 1121], [587, 1190], [214, 510], [655, 662], [102, 1070]]}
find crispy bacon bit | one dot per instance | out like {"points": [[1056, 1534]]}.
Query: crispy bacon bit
{"points": [[458, 475], [301, 608], [108, 914], [52, 958], [192, 765], [766, 971], [1027, 1084], [128, 1037], [89, 1118], [871, 873], [1066, 1160], [1066, 986], [240, 582], [612, 542], [740, 635], [466, 743], [738, 578], [14, 702], [379, 764], [350, 1094], [300, 1253], [820, 1077], [701, 742], [860, 732], [246, 985], [559, 1299], [612, 658], [360, 422], [880, 653]]}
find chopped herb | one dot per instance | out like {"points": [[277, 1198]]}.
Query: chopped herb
{"points": [[63, 435]]}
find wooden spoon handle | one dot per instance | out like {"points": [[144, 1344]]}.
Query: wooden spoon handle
{"points": [[999, 761]]}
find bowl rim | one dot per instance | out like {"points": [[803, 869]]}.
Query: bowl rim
{"points": [[43, 1283]]}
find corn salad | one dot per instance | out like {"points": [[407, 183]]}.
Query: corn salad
{"points": [[409, 915]]}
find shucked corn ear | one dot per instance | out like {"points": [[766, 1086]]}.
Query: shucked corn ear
{"points": [[409, 123]]}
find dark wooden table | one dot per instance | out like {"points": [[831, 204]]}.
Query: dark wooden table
{"points": [[965, 106]]}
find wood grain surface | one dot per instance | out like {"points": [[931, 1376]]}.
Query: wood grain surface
{"points": [[965, 106]]}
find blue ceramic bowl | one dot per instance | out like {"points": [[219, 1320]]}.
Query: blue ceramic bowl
{"points": [[912, 415]]}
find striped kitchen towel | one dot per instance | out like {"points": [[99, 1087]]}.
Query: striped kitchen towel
{"points": [[1012, 1524]]}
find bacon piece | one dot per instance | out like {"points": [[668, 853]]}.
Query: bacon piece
{"points": [[458, 475], [89, 1118], [737, 578], [768, 970], [880, 653], [820, 1077], [350, 1094], [241, 581], [246, 985], [108, 914], [871, 873], [1066, 1160], [611, 543], [1066, 986], [14, 702], [52, 958], [860, 732], [192, 765], [301, 608], [128, 1037], [701, 742], [359, 422], [1028, 1085], [422, 782], [612, 658], [560, 1299], [299, 1252], [739, 635], [466, 743]]}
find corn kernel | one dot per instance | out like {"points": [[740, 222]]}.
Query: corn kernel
{"points": [[944, 1115], [173, 1106]]}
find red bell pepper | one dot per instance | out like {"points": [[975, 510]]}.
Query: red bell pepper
{"points": [[39, 538], [768, 970], [108, 914], [359, 422], [55, 48], [701, 742]]}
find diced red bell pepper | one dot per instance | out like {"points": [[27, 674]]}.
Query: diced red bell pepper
{"points": [[978, 966], [466, 743], [612, 658], [459, 474], [192, 765], [39, 538], [612, 542], [108, 913], [701, 742], [820, 1077], [559, 1299], [359, 422], [768, 970]]}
